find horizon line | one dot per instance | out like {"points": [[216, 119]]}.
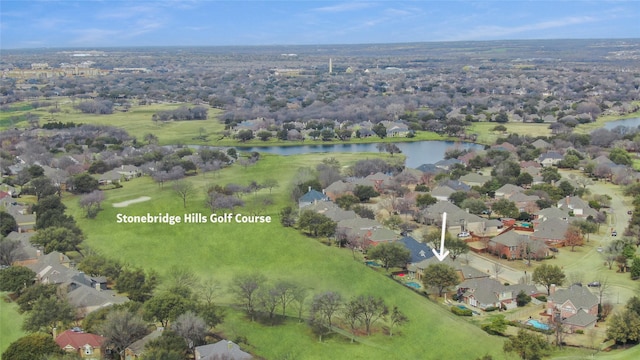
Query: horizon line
{"points": [[309, 45]]}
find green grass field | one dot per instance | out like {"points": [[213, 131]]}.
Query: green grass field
{"points": [[11, 324], [219, 251], [486, 135]]}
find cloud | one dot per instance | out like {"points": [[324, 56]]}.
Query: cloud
{"points": [[352, 6]]}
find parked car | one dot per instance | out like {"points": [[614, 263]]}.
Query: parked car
{"points": [[594, 284], [629, 212], [552, 249], [614, 233], [463, 234]]}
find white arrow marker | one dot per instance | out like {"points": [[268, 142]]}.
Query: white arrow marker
{"points": [[443, 254]]}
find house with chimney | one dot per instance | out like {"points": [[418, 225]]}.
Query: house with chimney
{"points": [[485, 292], [311, 197], [576, 307], [86, 345]]}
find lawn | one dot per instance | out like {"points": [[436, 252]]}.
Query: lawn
{"points": [[220, 251], [11, 324], [486, 135]]}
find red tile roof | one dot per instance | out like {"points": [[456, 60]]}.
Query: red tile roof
{"points": [[79, 339]]}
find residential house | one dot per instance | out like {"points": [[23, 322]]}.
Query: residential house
{"points": [[87, 346], [377, 236], [312, 196], [513, 245], [505, 146], [26, 253], [419, 251], [506, 190], [223, 349], [442, 193], [85, 293], [551, 231], [24, 218], [110, 177], [474, 179], [379, 180], [395, 129], [433, 213], [526, 203], [136, 349], [332, 211], [447, 164], [430, 169], [577, 206], [461, 220], [359, 229], [541, 144], [87, 299], [129, 172], [464, 272], [457, 185], [52, 268], [550, 158], [551, 213], [485, 292], [337, 189], [576, 306]]}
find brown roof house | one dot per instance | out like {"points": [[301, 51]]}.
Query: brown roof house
{"points": [[513, 245], [87, 346], [576, 307]]}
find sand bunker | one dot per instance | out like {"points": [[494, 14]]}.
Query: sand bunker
{"points": [[132, 201]]}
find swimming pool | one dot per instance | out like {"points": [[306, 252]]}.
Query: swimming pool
{"points": [[413, 284], [537, 324], [372, 263]]}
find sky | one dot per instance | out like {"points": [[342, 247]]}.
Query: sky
{"points": [[116, 23]]}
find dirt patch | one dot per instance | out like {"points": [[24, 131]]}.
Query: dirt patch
{"points": [[132, 201]]}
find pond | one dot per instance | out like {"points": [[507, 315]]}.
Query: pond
{"points": [[632, 122], [417, 153]]}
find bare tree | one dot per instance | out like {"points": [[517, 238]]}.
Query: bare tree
{"points": [[10, 251], [191, 327], [300, 294], [121, 328], [323, 309], [209, 290], [184, 189], [497, 269], [270, 183], [91, 203], [245, 288]]}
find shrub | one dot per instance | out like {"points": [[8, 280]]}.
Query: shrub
{"points": [[461, 312], [491, 308], [542, 298], [579, 331]]}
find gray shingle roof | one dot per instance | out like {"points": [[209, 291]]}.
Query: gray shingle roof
{"points": [[223, 349], [582, 319], [579, 296]]}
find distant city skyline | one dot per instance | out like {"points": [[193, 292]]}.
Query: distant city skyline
{"points": [[126, 23]]}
